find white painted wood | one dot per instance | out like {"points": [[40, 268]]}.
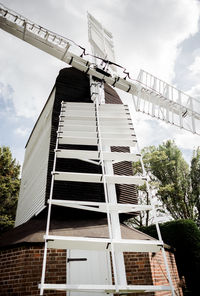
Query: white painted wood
{"points": [[126, 245], [114, 113], [119, 129], [78, 117], [81, 154], [107, 288], [86, 128], [116, 179], [114, 107], [102, 244], [105, 135], [78, 106], [82, 115], [102, 113], [78, 177], [101, 41], [77, 141], [17, 29], [102, 120], [77, 243], [87, 154], [101, 206], [93, 128], [118, 257], [97, 178], [95, 271], [34, 171], [69, 122], [78, 134], [131, 142], [119, 122], [78, 112], [121, 156], [125, 124]]}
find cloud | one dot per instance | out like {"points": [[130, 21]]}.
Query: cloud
{"points": [[13, 128], [6, 96], [194, 75], [153, 32], [195, 92], [28, 74], [21, 131], [194, 68], [192, 141]]}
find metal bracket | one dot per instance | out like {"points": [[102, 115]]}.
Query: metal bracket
{"points": [[76, 259]]}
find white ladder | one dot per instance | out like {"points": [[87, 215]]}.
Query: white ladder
{"points": [[88, 124]]}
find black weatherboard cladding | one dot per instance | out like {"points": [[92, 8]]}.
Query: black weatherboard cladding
{"points": [[73, 86]]}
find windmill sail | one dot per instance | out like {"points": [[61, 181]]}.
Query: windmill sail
{"points": [[165, 102], [101, 40], [182, 111]]}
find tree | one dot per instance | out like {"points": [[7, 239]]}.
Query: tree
{"points": [[177, 185], [9, 184], [195, 180], [184, 236]]}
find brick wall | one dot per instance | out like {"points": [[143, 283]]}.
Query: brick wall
{"points": [[20, 271], [138, 270], [149, 269], [159, 272]]}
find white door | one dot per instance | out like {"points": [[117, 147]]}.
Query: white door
{"points": [[88, 267]]}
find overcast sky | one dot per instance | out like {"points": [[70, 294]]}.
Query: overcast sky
{"points": [[159, 36]]}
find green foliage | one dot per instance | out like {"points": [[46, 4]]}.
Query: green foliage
{"points": [[178, 186], [184, 236], [195, 180], [9, 184]]}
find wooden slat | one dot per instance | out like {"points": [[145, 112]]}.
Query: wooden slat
{"points": [[85, 243], [87, 154], [97, 178], [105, 288]]}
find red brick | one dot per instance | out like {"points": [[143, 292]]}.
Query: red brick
{"points": [[20, 270]]}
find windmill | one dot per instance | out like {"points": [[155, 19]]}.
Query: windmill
{"points": [[108, 127]]}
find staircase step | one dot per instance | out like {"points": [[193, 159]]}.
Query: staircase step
{"points": [[92, 243], [115, 179], [103, 120], [131, 142], [93, 128], [92, 122], [98, 178], [80, 154], [105, 288], [87, 106], [104, 135], [87, 154], [102, 113], [121, 156], [100, 206], [78, 105]]}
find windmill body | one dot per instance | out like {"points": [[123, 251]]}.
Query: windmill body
{"points": [[72, 86]]}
